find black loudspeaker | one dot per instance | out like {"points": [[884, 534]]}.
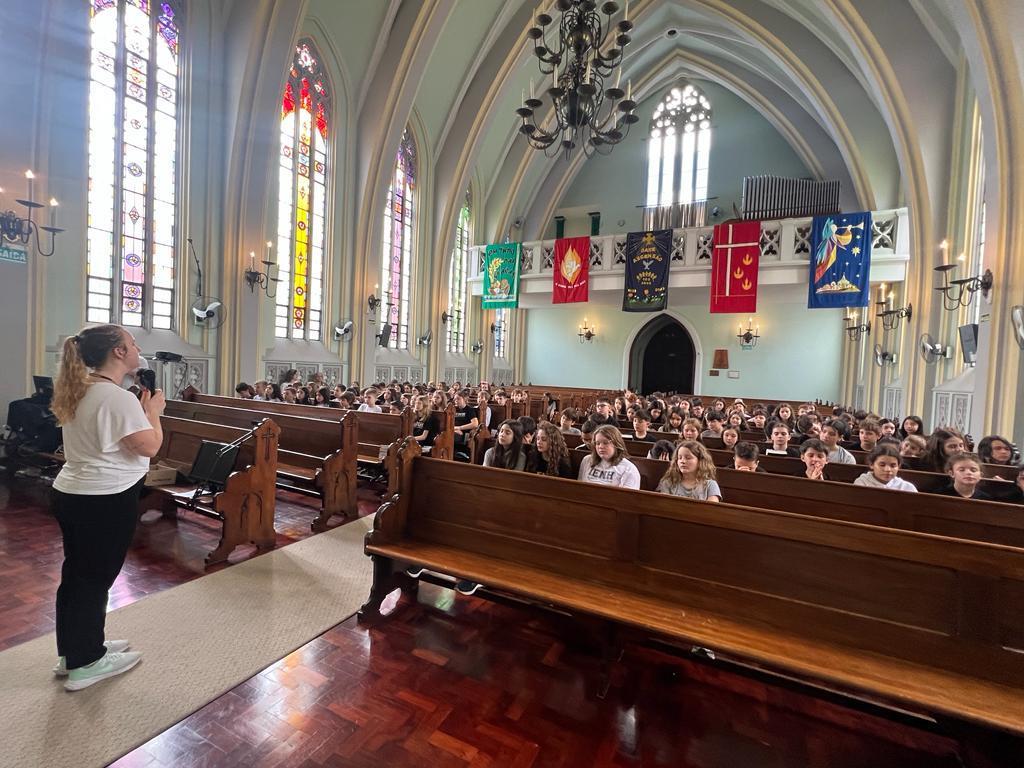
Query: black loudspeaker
{"points": [[385, 334], [969, 343]]}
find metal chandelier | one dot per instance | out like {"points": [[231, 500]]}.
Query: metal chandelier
{"points": [[577, 69]]}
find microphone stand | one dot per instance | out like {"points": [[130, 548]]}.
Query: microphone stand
{"points": [[222, 451]]}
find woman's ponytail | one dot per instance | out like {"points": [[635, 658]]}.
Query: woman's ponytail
{"points": [[88, 349]]}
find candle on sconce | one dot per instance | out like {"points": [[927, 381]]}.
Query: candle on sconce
{"points": [[629, 90], [888, 300], [881, 292], [30, 176], [53, 212], [625, 12], [962, 257], [531, 89], [270, 257], [252, 261]]}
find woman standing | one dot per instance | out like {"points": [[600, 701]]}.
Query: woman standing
{"points": [[109, 437]]}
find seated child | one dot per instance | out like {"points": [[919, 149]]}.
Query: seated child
{"points": [[567, 422], [674, 420], [508, 451], [830, 436], [780, 441], [913, 447], [745, 457], [661, 450], [993, 449], [964, 471], [730, 436], [716, 422], [691, 474], [691, 429], [529, 426], [642, 426], [587, 436], [884, 461], [369, 404], [868, 433], [607, 464], [888, 427], [814, 455]]}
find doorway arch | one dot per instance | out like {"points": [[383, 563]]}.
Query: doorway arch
{"points": [[663, 357]]}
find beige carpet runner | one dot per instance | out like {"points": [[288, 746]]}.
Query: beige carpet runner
{"points": [[198, 641]]}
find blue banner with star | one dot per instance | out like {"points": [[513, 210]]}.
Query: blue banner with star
{"points": [[648, 256], [840, 261]]}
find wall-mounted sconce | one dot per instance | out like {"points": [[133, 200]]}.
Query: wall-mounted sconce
{"points": [[748, 336], [495, 327], [23, 230], [587, 332], [343, 331], [425, 339], [254, 277], [891, 317], [477, 348], [960, 293], [445, 317], [373, 302], [855, 330]]}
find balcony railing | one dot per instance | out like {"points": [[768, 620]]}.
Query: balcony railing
{"points": [[785, 254]]}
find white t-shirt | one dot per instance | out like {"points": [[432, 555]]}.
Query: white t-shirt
{"points": [[369, 408], [96, 464], [869, 480], [623, 475]]}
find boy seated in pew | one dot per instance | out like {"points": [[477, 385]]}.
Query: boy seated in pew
{"points": [[758, 417], [831, 434], [567, 422], [884, 461], [746, 457], [780, 441], [964, 471], [587, 436], [602, 412], [691, 474], [529, 427], [814, 455], [868, 433], [642, 426], [369, 404], [912, 451], [662, 450], [716, 423], [607, 463]]}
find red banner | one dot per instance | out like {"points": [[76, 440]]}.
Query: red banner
{"points": [[572, 270], [734, 266]]}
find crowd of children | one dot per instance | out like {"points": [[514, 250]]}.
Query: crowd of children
{"points": [[678, 428]]}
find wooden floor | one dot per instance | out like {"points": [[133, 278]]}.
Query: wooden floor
{"points": [[448, 680]]}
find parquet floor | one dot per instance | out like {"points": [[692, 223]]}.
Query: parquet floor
{"points": [[448, 680]]}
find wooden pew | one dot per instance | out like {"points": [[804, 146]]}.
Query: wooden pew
{"points": [[991, 522], [926, 623], [316, 457], [246, 504]]}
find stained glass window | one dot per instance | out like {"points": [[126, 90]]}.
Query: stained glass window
{"points": [[396, 260], [133, 135], [679, 148], [500, 332], [457, 282], [302, 197]]}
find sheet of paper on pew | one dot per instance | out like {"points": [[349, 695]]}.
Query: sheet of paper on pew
{"points": [[161, 474]]}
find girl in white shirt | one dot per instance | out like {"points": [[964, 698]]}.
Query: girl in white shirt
{"points": [[607, 463], [109, 437], [884, 461]]}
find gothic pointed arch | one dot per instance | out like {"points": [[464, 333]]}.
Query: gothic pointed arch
{"points": [[398, 243], [679, 149]]}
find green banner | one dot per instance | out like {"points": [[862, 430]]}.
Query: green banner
{"points": [[501, 276]]}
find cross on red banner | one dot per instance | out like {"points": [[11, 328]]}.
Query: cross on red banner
{"points": [[734, 264]]}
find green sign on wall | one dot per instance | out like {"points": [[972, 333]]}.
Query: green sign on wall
{"points": [[17, 255]]}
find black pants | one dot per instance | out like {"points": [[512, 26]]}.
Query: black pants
{"points": [[97, 533]]}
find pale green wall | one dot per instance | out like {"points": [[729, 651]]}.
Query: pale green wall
{"points": [[798, 356], [743, 143]]}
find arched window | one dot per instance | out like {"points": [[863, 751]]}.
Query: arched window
{"points": [[500, 332], [680, 145], [133, 156], [302, 197], [457, 282], [396, 262]]}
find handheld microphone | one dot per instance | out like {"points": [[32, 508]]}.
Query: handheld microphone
{"points": [[146, 378]]}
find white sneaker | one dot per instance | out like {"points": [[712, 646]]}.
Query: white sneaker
{"points": [[111, 664], [115, 646]]}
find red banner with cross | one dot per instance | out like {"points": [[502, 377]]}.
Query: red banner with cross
{"points": [[572, 270], [734, 266]]}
